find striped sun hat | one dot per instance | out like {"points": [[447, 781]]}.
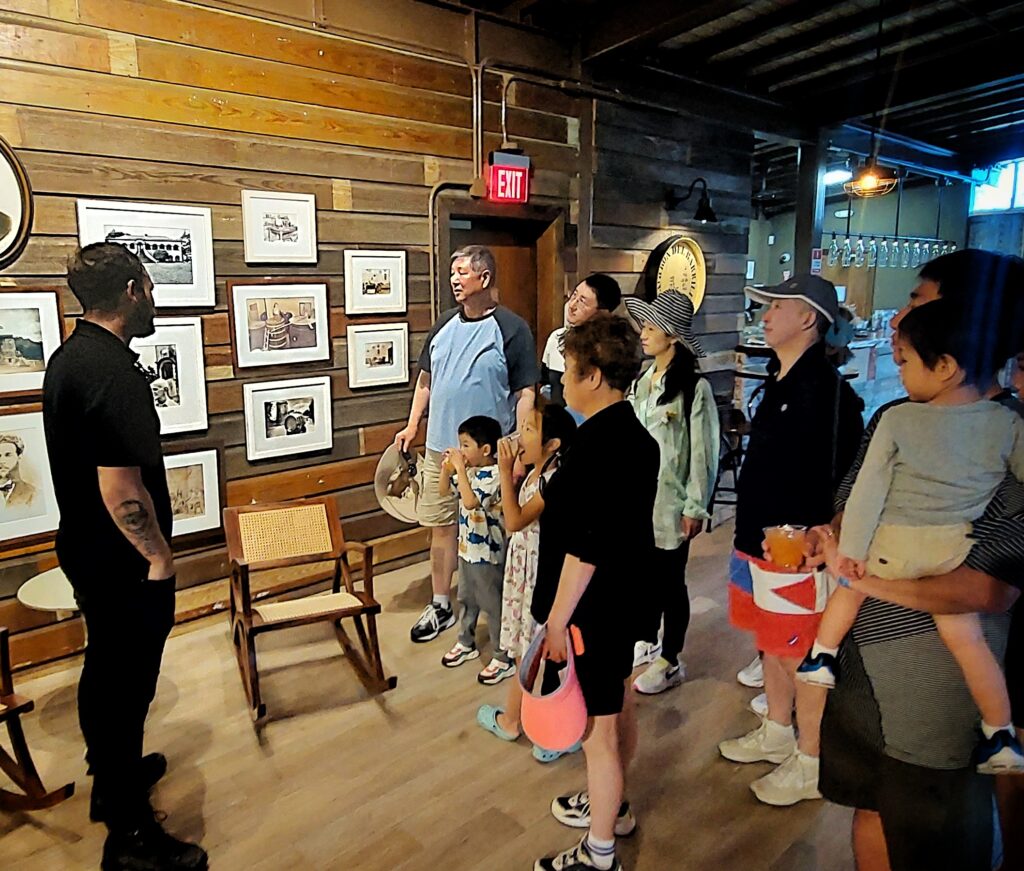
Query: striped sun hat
{"points": [[671, 312]]}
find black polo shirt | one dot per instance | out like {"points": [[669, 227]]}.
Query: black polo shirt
{"points": [[98, 411]]}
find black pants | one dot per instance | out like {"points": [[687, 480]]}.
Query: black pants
{"points": [[127, 624], [670, 598]]}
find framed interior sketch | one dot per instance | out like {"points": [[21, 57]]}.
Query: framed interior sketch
{"points": [[374, 282], [378, 354], [279, 227], [275, 321], [15, 205], [195, 481], [173, 361], [174, 243], [283, 418], [31, 328], [28, 506]]}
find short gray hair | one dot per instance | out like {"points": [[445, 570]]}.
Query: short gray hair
{"points": [[480, 260]]}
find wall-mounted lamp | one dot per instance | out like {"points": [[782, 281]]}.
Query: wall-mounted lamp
{"points": [[704, 214]]}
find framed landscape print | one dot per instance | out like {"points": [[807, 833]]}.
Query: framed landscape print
{"points": [[378, 354], [279, 321], [15, 205], [195, 483], [173, 361], [28, 506], [174, 243], [374, 282], [31, 329], [283, 418], [279, 227]]}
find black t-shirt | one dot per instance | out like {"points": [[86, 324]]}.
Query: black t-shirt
{"points": [[599, 507], [98, 411], [801, 444]]}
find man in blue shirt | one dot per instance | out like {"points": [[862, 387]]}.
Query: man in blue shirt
{"points": [[479, 359]]}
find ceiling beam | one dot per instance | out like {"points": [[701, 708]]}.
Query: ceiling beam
{"points": [[956, 106], [977, 122], [997, 149], [896, 150]]}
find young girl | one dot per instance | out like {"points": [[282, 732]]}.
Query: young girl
{"points": [[677, 407], [544, 436]]}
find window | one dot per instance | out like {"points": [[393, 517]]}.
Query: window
{"points": [[1003, 190]]}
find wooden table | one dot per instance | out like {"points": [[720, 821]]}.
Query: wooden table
{"points": [[49, 591]]}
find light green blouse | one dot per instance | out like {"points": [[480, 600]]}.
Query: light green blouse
{"points": [[689, 454]]}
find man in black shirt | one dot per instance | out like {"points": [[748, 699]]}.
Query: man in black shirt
{"points": [[103, 438]]}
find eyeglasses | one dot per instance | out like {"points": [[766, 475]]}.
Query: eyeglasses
{"points": [[582, 301]]}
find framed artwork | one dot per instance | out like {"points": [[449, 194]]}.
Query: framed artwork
{"points": [[283, 418], [374, 282], [378, 354], [277, 321], [15, 205], [175, 243], [31, 328], [173, 361], [195, 482], [279, 227], [28, 506]]}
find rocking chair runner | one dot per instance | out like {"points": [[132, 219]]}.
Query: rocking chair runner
{"points": [[20, 768], [302, 532]]}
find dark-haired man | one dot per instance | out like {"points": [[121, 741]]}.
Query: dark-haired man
{"points": [[103, 438]]}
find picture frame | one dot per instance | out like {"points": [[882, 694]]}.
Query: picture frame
{"points": [[284, 418], [279, 321], [175, 243], [16, 205], [279, 227], [375, 282], [197, 487], [173, 360], [28, 507], [378, 354], [31, 329]]}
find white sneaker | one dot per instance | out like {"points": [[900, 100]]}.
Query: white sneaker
{"points": [[753, 675], [769, 742], [759, 705], [645, 653], [660, 676], [793, 781]]}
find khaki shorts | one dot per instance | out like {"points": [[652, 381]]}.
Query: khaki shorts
{"points": [[433, 509], [899, 551]]}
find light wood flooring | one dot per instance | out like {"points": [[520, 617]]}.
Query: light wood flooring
{"points": [[409, 781]]}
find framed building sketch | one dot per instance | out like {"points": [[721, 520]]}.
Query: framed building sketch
{"points": [[279, 227], [283, 418], [174, 243], [31, 329], [173, 361], [28, 506], [375, 282], [378, 354], [15, 205], [276, 321], [195, 481]]}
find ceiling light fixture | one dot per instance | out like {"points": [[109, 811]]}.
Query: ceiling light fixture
{"points": [[705, 214]]}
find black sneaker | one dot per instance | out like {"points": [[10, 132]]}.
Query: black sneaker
{"points": [[433, 621], [150, 848], [574, 859], [573, 810], [151, 769], [819, 671]]}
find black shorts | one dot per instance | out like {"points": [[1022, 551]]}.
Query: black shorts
{"points": [[1015, 663], [603, 669]]}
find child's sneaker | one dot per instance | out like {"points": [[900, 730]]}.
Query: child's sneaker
{"points": [[458, 655], [495, 672], [576, 858], [1000, 754], [431, 623], [819, 671], [752, 675], [660, 676], [644, 653], [574, 811]]}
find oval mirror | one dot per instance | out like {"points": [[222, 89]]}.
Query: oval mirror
{"points": [[15, 206]]}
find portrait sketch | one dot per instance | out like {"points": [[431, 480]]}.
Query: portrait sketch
{"points": [[193, 481], [27, 503]]}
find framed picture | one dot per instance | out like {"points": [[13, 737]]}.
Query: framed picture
{"points": [[279, 227], [175, 243], [283, 418], [195, 481], [15, 206], [28, 506], [378, 354], [374, 282], [173, 360], [279, 321], [31, 328]]}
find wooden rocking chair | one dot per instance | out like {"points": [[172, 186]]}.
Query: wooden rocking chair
{"points": [[20, 768], [305, 531]]}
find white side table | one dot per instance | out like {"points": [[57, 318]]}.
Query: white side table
{"points": [[49, 591]]}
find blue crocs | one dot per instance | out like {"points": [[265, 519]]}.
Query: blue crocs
{"points": [[487, 718], [546, 756]]}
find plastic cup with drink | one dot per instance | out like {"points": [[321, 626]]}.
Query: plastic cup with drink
{"points": [[786, 545]]}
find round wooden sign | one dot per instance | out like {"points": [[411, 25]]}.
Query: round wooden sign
{"points": [[676, 264], [15, 206]]}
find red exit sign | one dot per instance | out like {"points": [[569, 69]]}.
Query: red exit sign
{"points": [[508, 178]]}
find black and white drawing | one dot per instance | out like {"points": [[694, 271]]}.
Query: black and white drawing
{"points": [[172, 359], [375, 282], [165, 251], [378, 354], [194, 484], [279, 227], [289, 417], [283, 418], [276, 321], [30, 331]]}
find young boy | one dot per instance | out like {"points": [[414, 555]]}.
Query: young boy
{"points": [[481, 542]]}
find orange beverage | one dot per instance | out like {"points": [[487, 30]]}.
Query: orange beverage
{"points": [[786, 545]]}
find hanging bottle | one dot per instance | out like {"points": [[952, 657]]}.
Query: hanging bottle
{"points": [[915, 254], [952, 247], [944, 250], [905, 254], [847, 252], [872, 253], [894, 254], [936, 249], [833, 251], [883, 253], [858, 253]]}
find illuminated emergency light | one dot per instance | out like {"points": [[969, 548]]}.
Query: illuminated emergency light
{"points": [[508, 178]]}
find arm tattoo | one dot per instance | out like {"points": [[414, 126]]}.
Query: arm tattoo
{"points": [[137, 524]]}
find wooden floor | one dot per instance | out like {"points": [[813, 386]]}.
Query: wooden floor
{"points": [[409, 781]]}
